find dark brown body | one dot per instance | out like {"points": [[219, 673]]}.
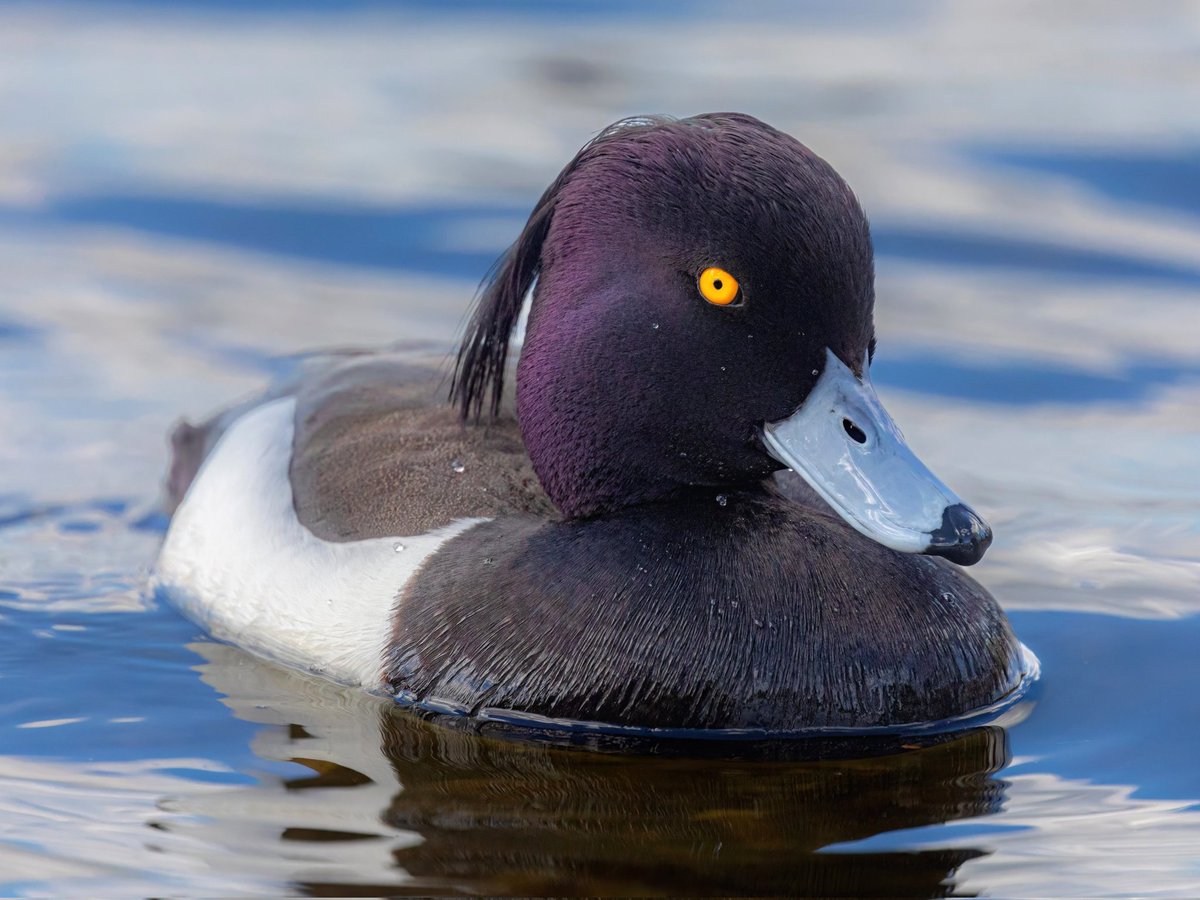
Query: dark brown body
{"points": [[758, 613]]}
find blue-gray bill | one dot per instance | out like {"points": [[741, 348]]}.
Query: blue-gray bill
{"points": [[843, 443]]}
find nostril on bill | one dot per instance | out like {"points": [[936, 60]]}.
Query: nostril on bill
{"points": [[856, 433]]}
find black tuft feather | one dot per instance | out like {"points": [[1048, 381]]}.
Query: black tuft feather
{"points": [[484, 351], [483, 354]]}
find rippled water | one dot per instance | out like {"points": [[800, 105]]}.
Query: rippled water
{"points": [[189, 191]]}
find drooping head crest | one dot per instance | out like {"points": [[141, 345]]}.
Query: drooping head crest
{"points": [[483, 354]]}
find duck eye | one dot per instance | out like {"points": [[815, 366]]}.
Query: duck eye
{"points": [[718, 287]]}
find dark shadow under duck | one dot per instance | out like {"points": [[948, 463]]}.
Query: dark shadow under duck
{"points": [[649, 558]]}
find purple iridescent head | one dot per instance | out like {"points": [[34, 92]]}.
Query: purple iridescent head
{"points": [[632, 386]]}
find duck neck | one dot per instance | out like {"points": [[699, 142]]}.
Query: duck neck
{"points": [[618, 449], [586, 469]]}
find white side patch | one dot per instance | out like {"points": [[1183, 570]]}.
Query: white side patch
{"points": [[238, 561]]}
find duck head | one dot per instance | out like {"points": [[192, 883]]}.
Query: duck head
{"points": [[702, 316]]}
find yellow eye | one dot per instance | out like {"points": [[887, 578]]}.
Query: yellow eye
{"points": [[717, 286]]}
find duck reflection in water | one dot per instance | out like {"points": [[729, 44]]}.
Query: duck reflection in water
{"points": [[424, 808], [508, 817]]}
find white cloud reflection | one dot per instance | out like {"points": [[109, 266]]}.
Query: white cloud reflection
{"points": [[80, 829]]}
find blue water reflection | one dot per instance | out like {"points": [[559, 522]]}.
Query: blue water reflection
{"points": [[1022, 383], [414, 239], [1169, 179], [1087, 696], [1011, 253]]}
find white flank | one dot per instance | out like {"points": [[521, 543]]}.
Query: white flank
{"points": [[238, 561]]}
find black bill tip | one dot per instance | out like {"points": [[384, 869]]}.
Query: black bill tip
{"points": [[963, 537]]}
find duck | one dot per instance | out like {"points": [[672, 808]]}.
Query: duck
{"points": [[691, 513]]}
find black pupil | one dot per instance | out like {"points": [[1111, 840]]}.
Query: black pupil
{"points": [[717, 284], [854, 431]]}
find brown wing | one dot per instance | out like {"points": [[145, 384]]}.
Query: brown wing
{"points": [[378, 452]]}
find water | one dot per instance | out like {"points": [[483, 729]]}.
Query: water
{"points": [[189, 192]]}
